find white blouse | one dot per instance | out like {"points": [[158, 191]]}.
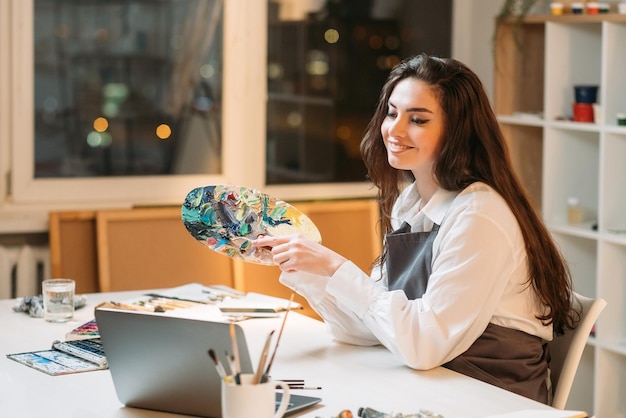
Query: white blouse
{"points": [[479, 275]]}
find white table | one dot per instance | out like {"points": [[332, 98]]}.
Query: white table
{"points": [[350, 376]]}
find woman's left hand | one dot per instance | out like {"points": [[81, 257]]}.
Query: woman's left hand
{"points": [[293, 253]]}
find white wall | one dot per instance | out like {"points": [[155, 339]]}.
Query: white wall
{"points": [[473, 23]]}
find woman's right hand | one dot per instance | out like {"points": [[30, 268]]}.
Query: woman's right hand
{"points": [[292, 253]]}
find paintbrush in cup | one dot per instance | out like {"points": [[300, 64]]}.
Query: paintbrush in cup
{"points": [[219, 367], [280, 333], [237, 365], [263, 359]]}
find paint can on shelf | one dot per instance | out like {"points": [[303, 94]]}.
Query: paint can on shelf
{"points": [[556, 8], [603, 8], [583, 112], [577, 8], [593, 8], [585, 93]]}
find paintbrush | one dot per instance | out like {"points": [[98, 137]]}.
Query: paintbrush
{"points": [[237, 364], [280, 333], [219, 367], [259, 370]]}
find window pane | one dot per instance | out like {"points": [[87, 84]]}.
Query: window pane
{"points": [[327, 61], [127, 88]]}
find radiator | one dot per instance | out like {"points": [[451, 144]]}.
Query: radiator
{"points": [[22, 268]]}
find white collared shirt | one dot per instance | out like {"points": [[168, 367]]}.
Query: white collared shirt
{"points": [[479, 275]]}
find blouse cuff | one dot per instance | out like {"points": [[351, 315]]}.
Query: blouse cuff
{"points": [[312, 286], [356, 290]]}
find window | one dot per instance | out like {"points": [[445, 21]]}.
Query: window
{"points": [[129, 102], [327, 61], [127, 88], [107, 69]]}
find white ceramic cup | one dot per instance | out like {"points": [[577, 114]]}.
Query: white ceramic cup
{"points": [[249, 400], [58, 299]]}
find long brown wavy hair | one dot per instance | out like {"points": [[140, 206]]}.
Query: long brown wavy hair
{"points": [[472, 149]]}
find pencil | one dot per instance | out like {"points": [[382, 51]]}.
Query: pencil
{"points": [[305, 387]]}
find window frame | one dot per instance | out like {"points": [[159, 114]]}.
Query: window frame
{"points": [[243, 124]]}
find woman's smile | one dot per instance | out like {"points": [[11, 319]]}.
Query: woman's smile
{"points": [[396, 148]]}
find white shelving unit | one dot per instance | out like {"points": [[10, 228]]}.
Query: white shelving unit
{"points": [[558, 159]]}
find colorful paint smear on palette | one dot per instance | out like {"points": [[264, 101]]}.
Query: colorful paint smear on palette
{"points": [[227, 218]]}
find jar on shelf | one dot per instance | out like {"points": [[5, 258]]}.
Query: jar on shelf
{"points": [[556, 8], [574, 211], [593, 8], [577, 8]]}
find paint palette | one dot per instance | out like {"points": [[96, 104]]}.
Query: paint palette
{"points": [[227, 218]]}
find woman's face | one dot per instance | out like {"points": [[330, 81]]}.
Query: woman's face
{"points": [[412, 127]]}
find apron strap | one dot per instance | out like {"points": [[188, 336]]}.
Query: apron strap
{"points": [[409, 260]]}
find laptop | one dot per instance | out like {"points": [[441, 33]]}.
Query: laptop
{"points": [[161, 363]]}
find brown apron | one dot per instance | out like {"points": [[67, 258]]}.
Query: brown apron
{"points": [[504, 357], [507, 358]]}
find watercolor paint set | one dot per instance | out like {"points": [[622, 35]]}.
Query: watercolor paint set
{"points": [[65, 357]]}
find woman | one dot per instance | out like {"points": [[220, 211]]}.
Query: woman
{"points": [[469, 275]]}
